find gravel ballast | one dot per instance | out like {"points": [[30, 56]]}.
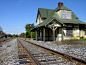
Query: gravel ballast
{"points": [[9, 53], [44, 55], [76, 50]]}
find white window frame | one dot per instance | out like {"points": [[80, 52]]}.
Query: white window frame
{"points": [[66, 14], [39, 20]]}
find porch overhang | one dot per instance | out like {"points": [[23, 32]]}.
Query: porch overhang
{"points": [[56, 20]]}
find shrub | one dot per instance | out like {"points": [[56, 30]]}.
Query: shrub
{"points": [[28, 34], [33, 35]]}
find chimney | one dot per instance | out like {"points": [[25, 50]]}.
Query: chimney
{"points": [[60, 4]]}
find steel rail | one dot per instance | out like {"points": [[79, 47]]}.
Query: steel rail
{"points": [[30, 54], [66, 55]]}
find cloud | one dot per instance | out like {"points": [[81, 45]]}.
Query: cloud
{"points": [[19, 27]]}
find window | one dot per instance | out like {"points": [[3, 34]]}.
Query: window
{"points": [[65, 15], [85, 32], [69, 32], [39, 20]]}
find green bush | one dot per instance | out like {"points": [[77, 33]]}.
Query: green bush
{"points": [[28, 34], [14, 35], [81, 37], [33, 35]]}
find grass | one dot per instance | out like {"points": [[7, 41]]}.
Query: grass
{"points": [[2, 39], [74, 41], [32, 38], [82, 39]]}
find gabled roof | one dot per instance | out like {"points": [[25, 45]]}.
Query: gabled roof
{"points": [[45, 12], [53, 15], [63, 8]]}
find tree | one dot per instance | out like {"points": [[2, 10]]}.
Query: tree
{"points": [[22, 35], [14, 35], [3, 34], [28, 34], [33, 35], [1, 31], [9, 35], [0, 28], [28, 28]]}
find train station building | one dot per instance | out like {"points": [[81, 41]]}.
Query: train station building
{"points": [[57, 25]]}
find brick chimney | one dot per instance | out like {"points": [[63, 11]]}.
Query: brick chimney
{"points": [[60, 4]]}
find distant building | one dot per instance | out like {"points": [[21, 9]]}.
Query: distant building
{"points": [[57, 25]]}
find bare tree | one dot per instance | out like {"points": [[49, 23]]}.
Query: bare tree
{"points": [[0, 28], [0, 31]]}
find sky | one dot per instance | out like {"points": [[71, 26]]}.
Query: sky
{"points": [[15, 14]]}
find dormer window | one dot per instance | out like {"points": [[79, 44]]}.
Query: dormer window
{"points": [[39, 19], [65, 14]]}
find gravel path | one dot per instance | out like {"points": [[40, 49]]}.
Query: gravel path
{"points": [[75, 50], [9, 53]]}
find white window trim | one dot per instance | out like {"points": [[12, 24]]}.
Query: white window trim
{"points": [[66, 11]]}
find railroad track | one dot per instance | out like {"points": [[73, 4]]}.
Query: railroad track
{"points": [[45, 56], [25, 57]]}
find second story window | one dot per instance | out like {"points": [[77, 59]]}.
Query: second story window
{"points": [[65, 15]]}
